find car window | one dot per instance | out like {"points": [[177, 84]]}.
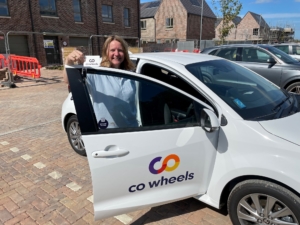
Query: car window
{"points": [[228, 53], [213, 52], [280, 54], [296, 50], [284, 48], [254, 55], [122, 102], [250, 95]]}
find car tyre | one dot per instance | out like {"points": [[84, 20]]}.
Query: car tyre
{"points": [[294, 87], [74, 135], [263, 202]]}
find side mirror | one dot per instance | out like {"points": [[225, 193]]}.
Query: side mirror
{"points": [[271, 61], [209, 121]]}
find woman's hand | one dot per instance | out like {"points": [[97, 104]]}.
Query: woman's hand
{"points": [[75, 57]]}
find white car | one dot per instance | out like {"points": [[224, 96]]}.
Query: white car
{"points": [[207, 128]]}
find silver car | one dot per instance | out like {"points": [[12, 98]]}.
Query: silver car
{"points": [[266, 60], [293, 49]]}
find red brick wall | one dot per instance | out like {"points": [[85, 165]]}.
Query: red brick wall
{"points": [[171, 9], [64, 22], [208, 24]]}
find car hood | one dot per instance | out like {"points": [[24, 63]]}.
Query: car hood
{"points": [[287, 128]]}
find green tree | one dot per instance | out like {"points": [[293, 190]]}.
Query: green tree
{"points": [[229, 10]]}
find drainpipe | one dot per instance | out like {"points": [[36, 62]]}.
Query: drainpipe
{"points": [[32, 28], [139, 21], [97, 25]]}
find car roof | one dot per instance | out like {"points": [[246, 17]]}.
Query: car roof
{"points": [[183, 58], [297, 44]]}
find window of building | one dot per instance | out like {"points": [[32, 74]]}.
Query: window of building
{"points": [[255, 31], [169, 23], [48, 8], [77, 10], [143, 25], [126, 17], [3, 8], [107, 15]]}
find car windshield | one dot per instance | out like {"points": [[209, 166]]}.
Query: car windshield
{"points": [[250, 95], [280, 54]]}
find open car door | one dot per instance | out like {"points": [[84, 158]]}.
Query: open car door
{"points": [[143, 140]]}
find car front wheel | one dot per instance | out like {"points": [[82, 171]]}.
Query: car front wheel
{"points": [[262, 202], [295, 87], [74, 135]]}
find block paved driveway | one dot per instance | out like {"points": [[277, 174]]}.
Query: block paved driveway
{"points": [[43, 181]]}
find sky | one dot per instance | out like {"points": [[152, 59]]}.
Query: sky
{"points": [[275, 12]]}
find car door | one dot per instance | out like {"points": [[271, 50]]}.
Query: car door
{"points": [[162, 155], [256, 60]]}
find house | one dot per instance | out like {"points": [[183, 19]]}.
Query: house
{"points": [[252, 27], [233, 31], [167, 21], [40, 28]]}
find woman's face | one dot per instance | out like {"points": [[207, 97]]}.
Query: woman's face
{"points": [[115, 54]]}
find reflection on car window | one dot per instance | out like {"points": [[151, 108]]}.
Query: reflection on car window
{"points": [[250, 95], [228, 53], [119, 102], [283, 56], [254, 55], [296, 50], [213, 52], [284, 48]]}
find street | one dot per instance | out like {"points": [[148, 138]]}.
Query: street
{"points": [[43, 181]]}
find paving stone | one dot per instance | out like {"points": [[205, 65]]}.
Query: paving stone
{"points": [[73, 186], [55, 175], [26, 157], [91, 198], [4, 143], [39, 165], [125, 219], [14, 149]]}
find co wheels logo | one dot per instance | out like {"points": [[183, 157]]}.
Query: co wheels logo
{"points": [[164, 166]]}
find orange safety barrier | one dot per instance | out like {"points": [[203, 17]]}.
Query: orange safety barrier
{"points": [[2, 61], [24, 66]]}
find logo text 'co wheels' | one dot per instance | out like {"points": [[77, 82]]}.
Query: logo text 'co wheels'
{"points": [[164, 166]]}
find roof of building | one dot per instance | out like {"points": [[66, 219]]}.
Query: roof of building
{"points": [[149, 9], [194, 7], [236, 20], [259, 19]]}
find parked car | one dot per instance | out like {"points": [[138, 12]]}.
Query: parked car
{"points": [[266, 60], [293, 49], [206, 128]]}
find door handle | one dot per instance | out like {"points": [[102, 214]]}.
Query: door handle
{"points": [[110, 152]]}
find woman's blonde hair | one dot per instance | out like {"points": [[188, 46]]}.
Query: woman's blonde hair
{"points": [[126, 64]]}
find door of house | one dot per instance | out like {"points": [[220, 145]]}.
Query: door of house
{"points": [[52, 50]]}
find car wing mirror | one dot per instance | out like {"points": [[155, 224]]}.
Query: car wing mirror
{"points": [[271, 61], [209, 121]]}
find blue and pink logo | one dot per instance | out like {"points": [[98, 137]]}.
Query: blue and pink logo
{"points": [[164, 166]]}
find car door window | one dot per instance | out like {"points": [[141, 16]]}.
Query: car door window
{"points": [[122, 102], [213, 52], [228, 53], [255, 55], [284, 48], [296, 50]]}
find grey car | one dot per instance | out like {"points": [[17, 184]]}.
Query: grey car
{"points": [[266, 60], [293, 49]]}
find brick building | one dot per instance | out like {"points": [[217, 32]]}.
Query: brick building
{"points": [[65, 23], [170, 20], [252, 27]]}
